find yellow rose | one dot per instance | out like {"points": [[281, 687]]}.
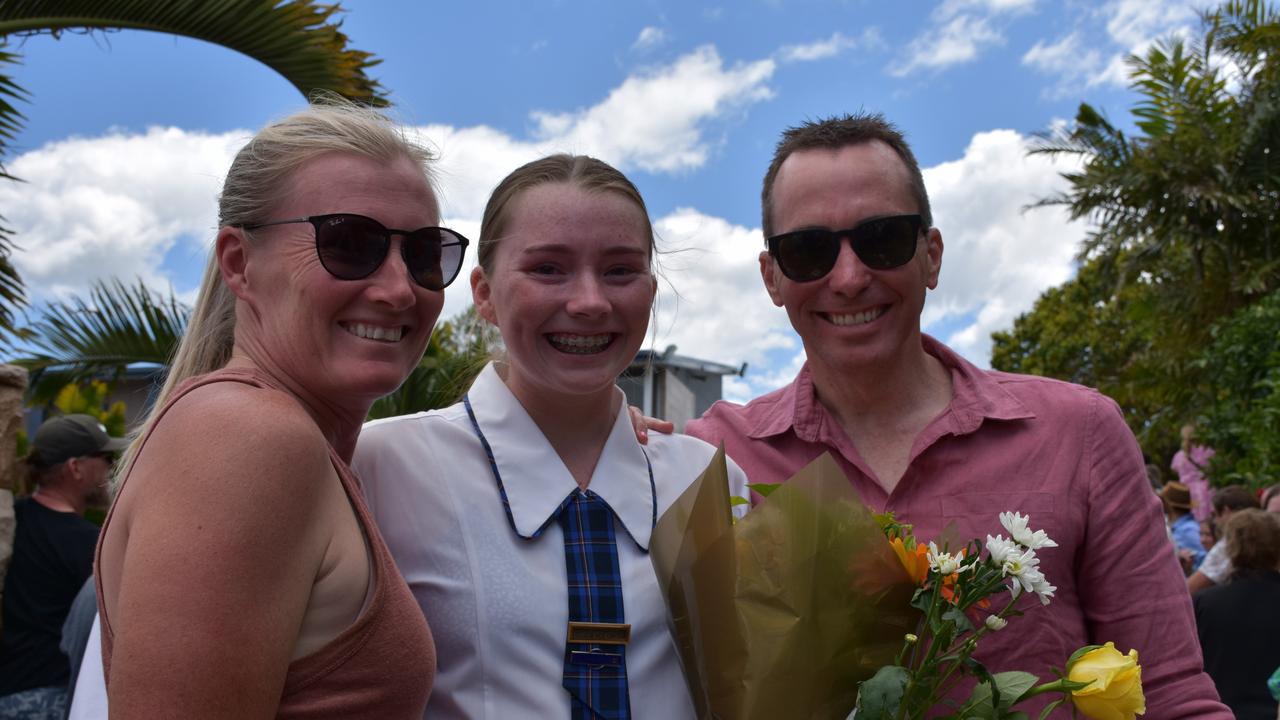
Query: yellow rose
{"points": [[1116, 690]]}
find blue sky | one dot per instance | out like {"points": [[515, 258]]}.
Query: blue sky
{"points": [[128, 135]]}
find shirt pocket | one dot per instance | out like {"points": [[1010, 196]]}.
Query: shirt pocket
{"points": [[1034, 504]]}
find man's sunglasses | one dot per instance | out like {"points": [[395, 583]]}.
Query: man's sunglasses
{"points": [[881, 243], [353, 247]]}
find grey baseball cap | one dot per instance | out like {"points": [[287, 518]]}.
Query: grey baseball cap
{"points": [[67, 436]]}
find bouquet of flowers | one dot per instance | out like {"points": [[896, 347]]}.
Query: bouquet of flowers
{"points": [[954, 592], [813, 607]]}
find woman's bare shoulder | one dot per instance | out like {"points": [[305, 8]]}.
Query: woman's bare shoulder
{"points": [[228, 444]]}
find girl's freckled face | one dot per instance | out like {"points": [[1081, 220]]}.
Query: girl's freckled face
{"points": [[571, 289]]}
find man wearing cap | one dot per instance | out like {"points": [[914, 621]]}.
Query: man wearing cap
{"points": [[851, 252], [52, 557]]}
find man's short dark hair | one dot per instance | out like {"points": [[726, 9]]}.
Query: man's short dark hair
{"points": [[835, 133], [1233, 497]]}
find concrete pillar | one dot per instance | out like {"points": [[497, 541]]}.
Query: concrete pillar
{"points": [[13, 383]]}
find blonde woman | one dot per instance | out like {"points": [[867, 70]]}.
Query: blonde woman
{"points": [[240, 574]]}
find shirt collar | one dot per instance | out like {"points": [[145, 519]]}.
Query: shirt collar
{"points": [[533, 480], [976, 395]]}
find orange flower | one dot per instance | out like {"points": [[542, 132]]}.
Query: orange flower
{"points": [[915, 560]]}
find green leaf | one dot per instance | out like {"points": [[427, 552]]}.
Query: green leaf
{"points": [[1000, 691], [1044, 714], [1012, 685], [736, 500], [116, 326], [879, 697], [765, 489], [957, 617]]}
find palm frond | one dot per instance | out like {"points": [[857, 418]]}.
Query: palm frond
{"points": [[115, 327], [297, 38], [300, 39]]}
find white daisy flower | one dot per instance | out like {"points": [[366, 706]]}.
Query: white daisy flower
{"points": [[1001, 549], [995, 622], [1022, 568], [1042, 588], [1016, 524], [945, 563]]}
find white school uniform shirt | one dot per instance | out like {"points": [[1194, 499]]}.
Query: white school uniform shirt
{"points": [[494, 596]]}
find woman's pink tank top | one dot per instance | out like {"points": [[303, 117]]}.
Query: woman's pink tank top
{"points": [[380, 667]]}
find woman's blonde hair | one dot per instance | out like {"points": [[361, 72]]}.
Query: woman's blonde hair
{"points": [[257, 180]]}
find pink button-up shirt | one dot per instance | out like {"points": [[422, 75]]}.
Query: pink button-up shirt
{"points": [[1057, 452]]}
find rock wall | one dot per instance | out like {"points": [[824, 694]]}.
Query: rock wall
{"points": [[13, 382]]}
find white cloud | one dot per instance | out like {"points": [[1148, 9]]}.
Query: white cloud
{"points": [[951, 8], [1070, 59], [113, 206], [958, 31], [1135, 23], [1062, 56], [722, 311], [997, 256], [1111, 33], [649, 38], [958, 40], [655, 121], [93, 208], [832, 46]]}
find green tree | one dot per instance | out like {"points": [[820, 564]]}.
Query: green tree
{"points": [[1241, 418], [458, 351], [91, 398], [297, 38], [1182, 216]]}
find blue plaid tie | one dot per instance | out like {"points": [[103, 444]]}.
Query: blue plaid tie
{"points": [[594, 675]]}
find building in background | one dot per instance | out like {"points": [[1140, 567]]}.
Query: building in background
{"points": [[662, 384], [674, 387]]}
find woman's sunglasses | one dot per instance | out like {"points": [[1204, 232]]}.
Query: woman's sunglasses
{"points": [[881, 243], [353, 247]]}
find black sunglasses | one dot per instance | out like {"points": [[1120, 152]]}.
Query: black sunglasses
{"points": [[353, 247], [881, 243]]}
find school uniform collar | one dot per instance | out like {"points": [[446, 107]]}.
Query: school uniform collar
{"points": [[533, 481]]}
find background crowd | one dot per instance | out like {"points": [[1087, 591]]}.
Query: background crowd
{"points": [[1227, 540]]}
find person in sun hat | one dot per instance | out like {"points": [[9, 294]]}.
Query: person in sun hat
{"points": [[1183, 527], [71, 456]]}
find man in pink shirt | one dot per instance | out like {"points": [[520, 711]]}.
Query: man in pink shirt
{"points": [[851, 252]]}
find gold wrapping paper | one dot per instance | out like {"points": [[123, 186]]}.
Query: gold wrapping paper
{"points": [[782, 614]]}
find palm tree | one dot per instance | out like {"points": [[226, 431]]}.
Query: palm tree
{"points": [[297, 38], [458, 351], [1183, 213], [115, 327]]}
